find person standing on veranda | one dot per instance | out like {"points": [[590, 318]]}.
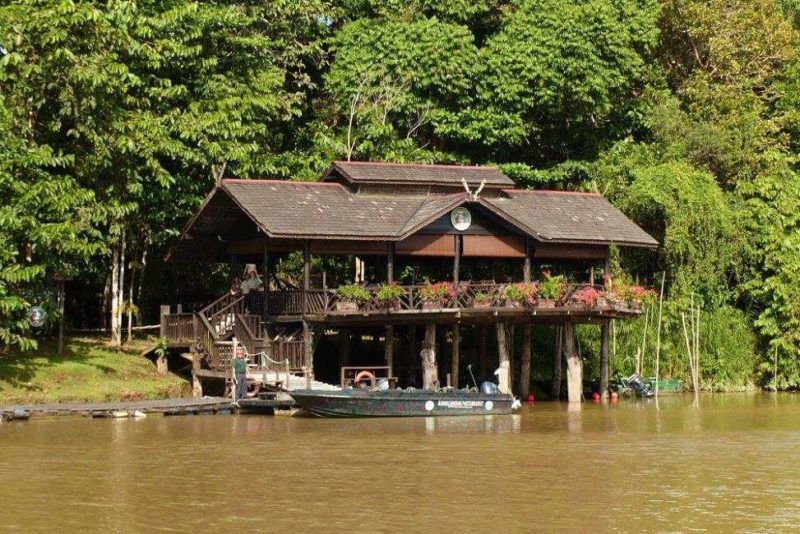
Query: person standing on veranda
{"points": [[249, 289]]}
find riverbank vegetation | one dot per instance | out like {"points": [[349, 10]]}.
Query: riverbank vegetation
{"points": [[117, 117], [87, 371]]}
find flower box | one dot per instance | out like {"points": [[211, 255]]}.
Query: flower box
{"points": [[391, 305], [546, 304], [513, 304], [483, 304], [346, 306], [432, 304]]}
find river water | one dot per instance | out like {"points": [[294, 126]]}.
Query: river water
{"points": [[731, 464]]}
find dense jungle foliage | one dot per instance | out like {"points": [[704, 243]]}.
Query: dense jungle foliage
{"points": [[116, 116]]}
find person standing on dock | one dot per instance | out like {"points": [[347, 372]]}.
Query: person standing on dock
{"points": [[239, 364]]}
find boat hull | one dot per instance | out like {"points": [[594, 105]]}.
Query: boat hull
{"points": [[400, 403]]}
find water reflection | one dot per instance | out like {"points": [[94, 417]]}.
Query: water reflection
{"points": [[729, 464]]}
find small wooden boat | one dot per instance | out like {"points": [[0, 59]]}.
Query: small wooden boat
{"points": [[362, 402]]}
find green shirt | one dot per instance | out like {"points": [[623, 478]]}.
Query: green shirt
{"points": [[239, 366]]}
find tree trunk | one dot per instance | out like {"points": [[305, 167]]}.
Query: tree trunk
{"points": [[104, 304], [131, 286], [525, 366], [115, 304], [430, 374], [503, 379], [574, 365]]}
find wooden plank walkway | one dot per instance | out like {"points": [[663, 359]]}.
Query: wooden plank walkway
{"points": [[105, 409]]}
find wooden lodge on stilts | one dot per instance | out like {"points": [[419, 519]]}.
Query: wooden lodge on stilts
{"points": [[401, 224]]}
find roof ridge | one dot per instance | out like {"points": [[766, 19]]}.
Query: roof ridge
{"points": [[552, 192], [279, 181], [446, 165]]}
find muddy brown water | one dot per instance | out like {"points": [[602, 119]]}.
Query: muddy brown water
{"points": [[733, 464]]}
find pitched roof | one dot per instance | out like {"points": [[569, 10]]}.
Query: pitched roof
{"points": [[569, 217], [363, 172], [314, 209]]}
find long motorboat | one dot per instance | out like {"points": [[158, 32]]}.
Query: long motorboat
{"points": [[373, 402]]}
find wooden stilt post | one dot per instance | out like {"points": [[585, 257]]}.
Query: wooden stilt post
{"points": [[197, 386], [604, 335], [266, 280], [502, 354], [61, 297], [556, 386], [388, 348], [525, 367], [430, 374], [308, 349], [343, 341], [456, 355], [574, 365], [483, 363]]}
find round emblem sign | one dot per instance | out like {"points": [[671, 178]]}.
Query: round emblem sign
{"points": [[429, 406], [36, 316], [461, 218], [488, 405]]}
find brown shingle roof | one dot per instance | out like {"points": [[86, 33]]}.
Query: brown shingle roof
{"points": [[569, 217], [362, 172], [314, 209]]}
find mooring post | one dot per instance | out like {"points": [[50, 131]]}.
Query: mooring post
{"points": [[163, 312], [574, 365], [430, 374], [502, 354], [604, 335]]}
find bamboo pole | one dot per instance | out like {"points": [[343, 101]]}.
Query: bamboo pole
{"points": [[658, 335]]}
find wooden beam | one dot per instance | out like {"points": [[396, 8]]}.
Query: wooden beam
{"points": [[604, 331], [266, 278], [458, 243], [430, 374], [555, 389], [454, 364], [502, 354], [526, 267], [574, 365]]}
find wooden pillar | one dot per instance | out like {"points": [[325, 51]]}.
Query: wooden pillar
{"points": [[502, 354], [604, 331], [483, 363], [430, 374], [306, 265], [527, 331], [197, 385], [555, 390], [459, 245], [233, 263], [607, 270], [308, 349], [525, 366], [162, 313], [266, 279], [343, 342], [388, 348], [454, 364], [574, 365]]}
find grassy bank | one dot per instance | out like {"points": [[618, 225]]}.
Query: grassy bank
{"points": [[88, 371]]}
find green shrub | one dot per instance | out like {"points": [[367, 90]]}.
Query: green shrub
{"points": [[390, 292], [354, 293]]}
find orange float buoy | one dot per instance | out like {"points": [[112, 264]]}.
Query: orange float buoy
{"points": [[364, 375], [595, 397], [614, 395], [531, 399]]}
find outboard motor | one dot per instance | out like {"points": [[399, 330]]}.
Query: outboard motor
{"points": [[638, 386], [489, 388]]}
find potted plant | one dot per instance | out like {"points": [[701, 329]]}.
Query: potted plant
{"points": [[436, 295], [518, 295], [389, 295], [482, 300], [637, 295], [587, 297], [550, 289], [351, 297]]}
